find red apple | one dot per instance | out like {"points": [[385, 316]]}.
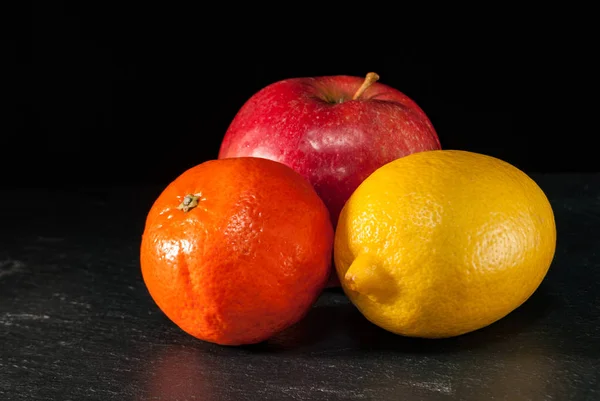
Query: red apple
{"points": [[333, 130]]}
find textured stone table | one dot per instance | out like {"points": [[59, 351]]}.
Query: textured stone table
{"points": [[76, 322]]}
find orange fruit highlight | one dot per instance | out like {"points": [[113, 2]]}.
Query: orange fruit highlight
{"points": [[236, 250]]}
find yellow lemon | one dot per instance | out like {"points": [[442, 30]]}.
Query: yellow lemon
{"points": [[443, 242]]}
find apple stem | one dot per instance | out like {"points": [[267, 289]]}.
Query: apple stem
{"points": [[370, 79]]}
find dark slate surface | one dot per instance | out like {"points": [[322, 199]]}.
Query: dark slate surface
{"points": [[76, 322]]}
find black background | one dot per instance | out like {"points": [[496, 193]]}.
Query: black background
{"points": [[106, 95]]}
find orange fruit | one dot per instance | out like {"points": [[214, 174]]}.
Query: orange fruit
{"points": [[236, 250]]}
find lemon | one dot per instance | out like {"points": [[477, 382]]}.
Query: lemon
{"points": [[443, 242]]}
